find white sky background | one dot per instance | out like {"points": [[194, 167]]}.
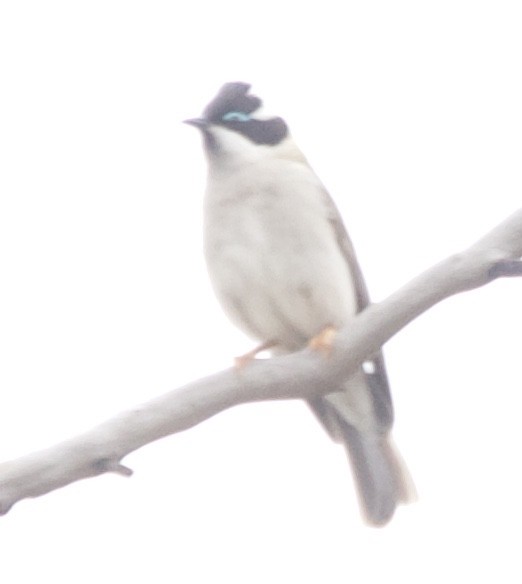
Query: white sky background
{"points": [[411, 114]]}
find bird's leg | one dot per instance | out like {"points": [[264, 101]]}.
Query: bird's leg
{"points": [[243, 360], [323, 341]]}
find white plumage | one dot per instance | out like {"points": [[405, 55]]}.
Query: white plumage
{"points": [[284, 269]]}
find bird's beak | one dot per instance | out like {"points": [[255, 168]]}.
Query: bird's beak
{"points": [[200, 123]]}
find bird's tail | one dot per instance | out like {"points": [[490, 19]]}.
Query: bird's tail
{"points": [[381, 477]]}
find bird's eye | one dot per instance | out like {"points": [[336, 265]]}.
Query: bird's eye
{"points": [[235, 117]]}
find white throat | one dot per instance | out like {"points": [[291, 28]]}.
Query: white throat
{"points": [[235, 150]]}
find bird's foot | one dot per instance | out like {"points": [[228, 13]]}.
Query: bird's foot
{"points": [[243, 360], [323, 341]]}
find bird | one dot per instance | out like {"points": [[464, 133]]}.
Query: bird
{"points": [[285, 272]]}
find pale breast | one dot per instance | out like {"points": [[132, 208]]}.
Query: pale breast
{"points": [[272, 255]]}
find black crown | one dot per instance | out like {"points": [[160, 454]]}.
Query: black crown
{"points": [[232, 97]]}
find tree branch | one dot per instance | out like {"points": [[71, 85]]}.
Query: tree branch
{"points": [[300, 375]]}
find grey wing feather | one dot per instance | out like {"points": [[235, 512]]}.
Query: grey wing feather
{"points": [[376, 376], [381, 478]]}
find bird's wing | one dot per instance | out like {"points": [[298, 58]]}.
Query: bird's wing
{"points": [[374, 367]]}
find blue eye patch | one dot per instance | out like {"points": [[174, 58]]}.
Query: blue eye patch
{"points": [[236, 117]]}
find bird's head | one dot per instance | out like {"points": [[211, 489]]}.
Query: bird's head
{"points": [[234, 129]]}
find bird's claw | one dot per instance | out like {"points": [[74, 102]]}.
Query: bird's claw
{"points": [[323, 341], [243, 360]]}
